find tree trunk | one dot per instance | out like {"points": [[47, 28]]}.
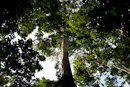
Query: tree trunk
{"points": [[67, 78]]}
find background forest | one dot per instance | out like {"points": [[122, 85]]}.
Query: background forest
{"points": [[96, 33]]}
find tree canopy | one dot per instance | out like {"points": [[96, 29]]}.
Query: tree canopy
{"points": [[108, 52], [97, 28]]}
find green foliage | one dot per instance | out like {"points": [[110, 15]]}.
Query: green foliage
{"points": [[101, 19], [99, 59], [44, 83], [18, 61], [85, 71], [52, 22]]}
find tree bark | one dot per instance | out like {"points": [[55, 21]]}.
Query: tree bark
{"points": [[67, 78]]}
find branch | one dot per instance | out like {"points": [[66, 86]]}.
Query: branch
{"points": [[121, 69], [101, 83], [125, 68], [126, 37], [88, 23], [89, 72]]}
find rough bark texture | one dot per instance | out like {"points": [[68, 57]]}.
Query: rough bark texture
{"points": [[67, 78]]}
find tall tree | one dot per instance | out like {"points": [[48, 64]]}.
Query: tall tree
{"points": [[53, 17], [58, 22], [68, 32]]}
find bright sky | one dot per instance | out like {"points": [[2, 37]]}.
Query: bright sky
{"points": [[49, 71]]}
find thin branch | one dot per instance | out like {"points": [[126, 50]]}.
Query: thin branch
{"points": [[123, 34], [125, 68], [101, 83], [89, 72], [124, 47], [120, 69], [126, 37]]}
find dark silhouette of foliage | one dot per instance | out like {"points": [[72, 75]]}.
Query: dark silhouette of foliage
{"points": [[10, 12], [18, 60]]}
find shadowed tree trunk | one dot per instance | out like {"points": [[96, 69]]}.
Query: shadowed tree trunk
{"points": [[67, 78]]}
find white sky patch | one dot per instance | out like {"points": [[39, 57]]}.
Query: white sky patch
{"points": [[32, 35], [17, 37], [48, 71]]}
